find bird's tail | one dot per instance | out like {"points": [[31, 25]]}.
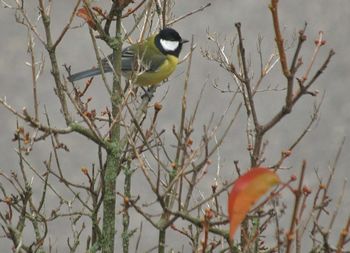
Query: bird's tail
{"points": [[84, 74]]}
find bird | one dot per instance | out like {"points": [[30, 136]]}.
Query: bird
{"points": [[146, 63]]}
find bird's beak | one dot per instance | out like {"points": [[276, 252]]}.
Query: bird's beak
{"points": [[184, 41]]}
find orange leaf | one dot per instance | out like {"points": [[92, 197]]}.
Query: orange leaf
{"points": [[85, 14], [246, 191]]}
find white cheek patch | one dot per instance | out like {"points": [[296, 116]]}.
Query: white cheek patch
{"points": [[169, 45]]}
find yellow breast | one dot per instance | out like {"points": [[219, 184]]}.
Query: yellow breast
{"points": [[163, 72]]}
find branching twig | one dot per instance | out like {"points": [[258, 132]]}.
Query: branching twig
{"points": [[171, 22]]}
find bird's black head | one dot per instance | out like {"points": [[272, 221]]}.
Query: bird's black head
{"points": [[169, 41]]}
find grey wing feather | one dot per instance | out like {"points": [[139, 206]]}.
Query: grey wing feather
{"points": [[92, 72], [128, 59], [84, 74], [156, 62], [129, 63]]}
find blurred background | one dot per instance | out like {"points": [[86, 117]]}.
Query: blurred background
{"points": [[319, 147]]}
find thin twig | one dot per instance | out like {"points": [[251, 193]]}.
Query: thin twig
{"points": [[171, 22], [67, 26]]}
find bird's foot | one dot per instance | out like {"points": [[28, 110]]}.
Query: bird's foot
{"points": [[149, 93]]}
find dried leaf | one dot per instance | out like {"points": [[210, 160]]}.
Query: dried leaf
{"points": [[85, 14]]}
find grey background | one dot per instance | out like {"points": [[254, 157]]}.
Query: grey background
{"points": [[319, 146]]}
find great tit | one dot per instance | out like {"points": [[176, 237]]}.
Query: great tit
{"points": [[145, 63]]}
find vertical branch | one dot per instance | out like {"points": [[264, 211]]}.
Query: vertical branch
{"points": [[113, 165], [250, 98], [250, 107], [51, 49], [279, 39], [183, 108], [295, 220], [112, 169], [326, 187], [296, 62], [283, 58], [180, 146], [342, 238], [126, 216], [164, 13], [110, 16], [34, 79]]}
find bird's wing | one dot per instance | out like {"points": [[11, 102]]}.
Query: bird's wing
{"points": [[137, 57], [142, 60], [128, 59], [157, 61]]}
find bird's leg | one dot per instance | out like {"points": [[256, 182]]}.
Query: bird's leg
{"points": [[149, 92]]}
